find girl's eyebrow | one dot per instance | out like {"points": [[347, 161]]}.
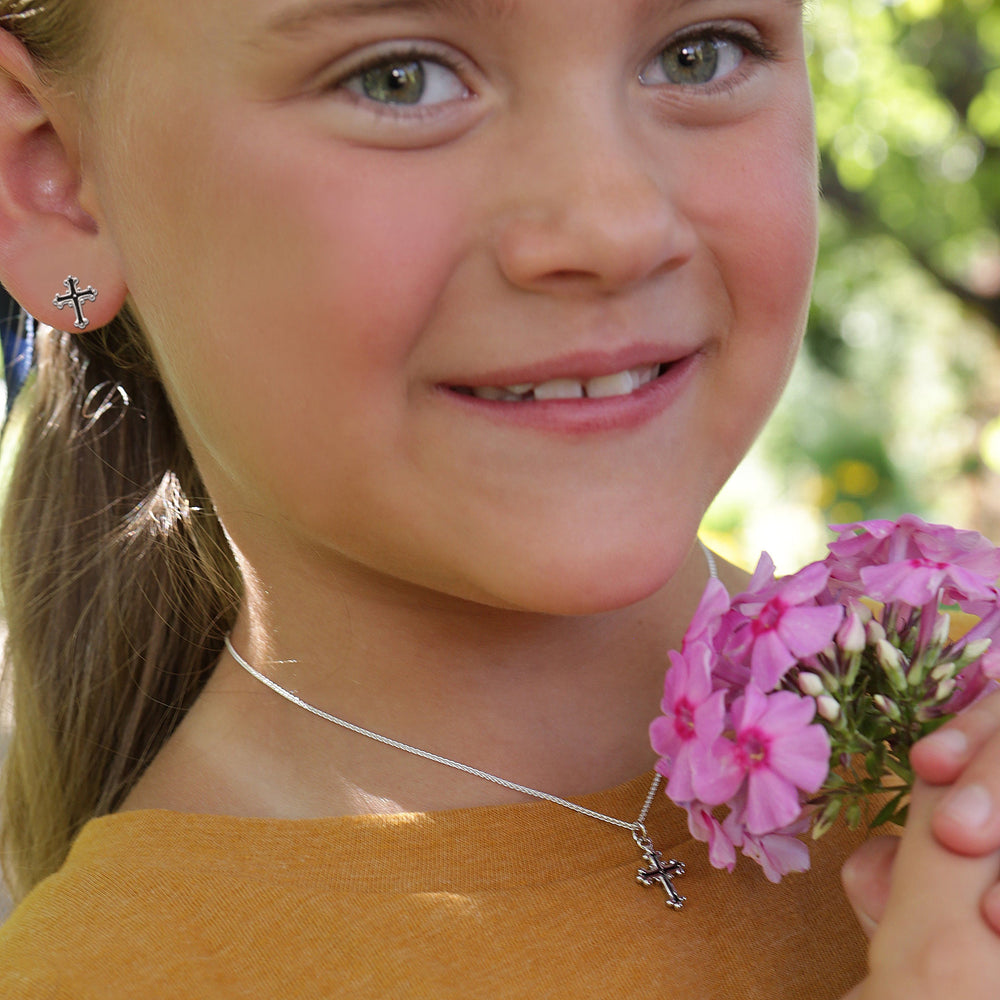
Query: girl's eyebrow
{"points": [[304, 16]]}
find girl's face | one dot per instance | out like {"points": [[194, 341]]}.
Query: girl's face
{"points": [[349, 226]]}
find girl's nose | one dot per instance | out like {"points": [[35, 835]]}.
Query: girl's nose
{"points": [[595, 214]]}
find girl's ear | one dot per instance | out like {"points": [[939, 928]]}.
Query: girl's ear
{"points": [[46, 236]]}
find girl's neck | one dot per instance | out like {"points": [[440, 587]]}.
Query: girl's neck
{"points": [[557, 703]]}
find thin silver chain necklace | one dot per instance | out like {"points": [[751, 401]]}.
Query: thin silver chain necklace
{"points": [[656, 872]]}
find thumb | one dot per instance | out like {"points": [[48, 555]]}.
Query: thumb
{"points": [[866, 876]]}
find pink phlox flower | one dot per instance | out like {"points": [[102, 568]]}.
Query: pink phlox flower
{"points": [[692, 721], [737, 735], [866, 545], [861, 544], [777, 750], [760, 583], [786, 625], [777, 853], [731, 670], [708, 617], [988, 627], [989, 662], [957, 546], [920, 581], [974, 684], [706, 828], [713, 626], [733, 643]]}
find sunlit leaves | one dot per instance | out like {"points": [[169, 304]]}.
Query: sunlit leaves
{"points": [[894, 405]]}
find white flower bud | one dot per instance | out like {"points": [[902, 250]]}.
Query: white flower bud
{"points": [[973, 650], [944, 670], [876, 633], [828, 707], [887, 707], [811, 684], [942, 629], [892, 662], [851, 634], [945, 689], [888, 654]]}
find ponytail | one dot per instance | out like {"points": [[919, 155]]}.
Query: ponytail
{"points": [[116, 579], [118, 586]]}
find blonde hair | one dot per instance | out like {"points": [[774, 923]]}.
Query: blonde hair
{"points": [[118, 584]]}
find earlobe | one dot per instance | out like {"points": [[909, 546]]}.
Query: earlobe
{"points": [[46, 236]]}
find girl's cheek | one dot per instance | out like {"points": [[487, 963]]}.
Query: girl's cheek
{"points": [[389, 252], [772, 219]]}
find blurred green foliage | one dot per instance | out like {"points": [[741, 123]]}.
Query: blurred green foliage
{"points": [[894, 405]]}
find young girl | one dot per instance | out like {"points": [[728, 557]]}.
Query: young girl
{"points": [[407, 342]]}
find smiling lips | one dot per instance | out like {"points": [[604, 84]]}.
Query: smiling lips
{"points": [[622, 383]]}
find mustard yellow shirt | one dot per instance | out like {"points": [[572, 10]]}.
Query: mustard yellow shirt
{"points": [[522, 901]]}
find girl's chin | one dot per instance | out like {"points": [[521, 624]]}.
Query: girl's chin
{"points": [[584, 587]]}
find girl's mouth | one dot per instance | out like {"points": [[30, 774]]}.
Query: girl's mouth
{"points": [[622, 383]]}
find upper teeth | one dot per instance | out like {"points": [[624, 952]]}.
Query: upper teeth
{"points": [[600, 387]]}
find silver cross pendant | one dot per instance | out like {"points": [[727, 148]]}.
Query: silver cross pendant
{"points": [[659, 872]]}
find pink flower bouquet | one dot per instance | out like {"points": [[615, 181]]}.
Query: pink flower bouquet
{"points": [[794, 702]]}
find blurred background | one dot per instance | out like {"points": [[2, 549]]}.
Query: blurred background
{"points": [[895, 403]]}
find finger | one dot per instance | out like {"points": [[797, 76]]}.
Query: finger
{"points": [[867, 878], [932, 940], [967, 752], [967, 820], [941, 757]]}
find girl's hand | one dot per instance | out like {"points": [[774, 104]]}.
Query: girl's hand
{"points": [[966, 754], [966, 819], [867, 877], [931, 942]]}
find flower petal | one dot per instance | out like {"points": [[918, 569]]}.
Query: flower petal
{"points": [[802, 758], [749, 710], [716, 774], [908, 581], [778, 854], [808, 631], [663, 736], [679, 788], [770, 660], [772, 802], [705, 827], [804, 585], [713, 605]]}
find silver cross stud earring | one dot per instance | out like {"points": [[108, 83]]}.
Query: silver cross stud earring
{"points": [[76, 296]]}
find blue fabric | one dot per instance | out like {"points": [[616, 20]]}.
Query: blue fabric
{"points": [[17, 339]]}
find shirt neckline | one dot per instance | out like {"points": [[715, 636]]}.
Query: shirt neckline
{"points": [[450, 850]]}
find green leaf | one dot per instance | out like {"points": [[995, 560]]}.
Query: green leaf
{"points": [[852, 814], [888, 812], [899, 769]]}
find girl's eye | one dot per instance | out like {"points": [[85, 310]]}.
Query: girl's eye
{"points": [[696, 61], [407, 81]]}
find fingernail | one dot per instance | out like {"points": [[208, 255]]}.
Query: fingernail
{"points": [[952, 741], [970, 806]]}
